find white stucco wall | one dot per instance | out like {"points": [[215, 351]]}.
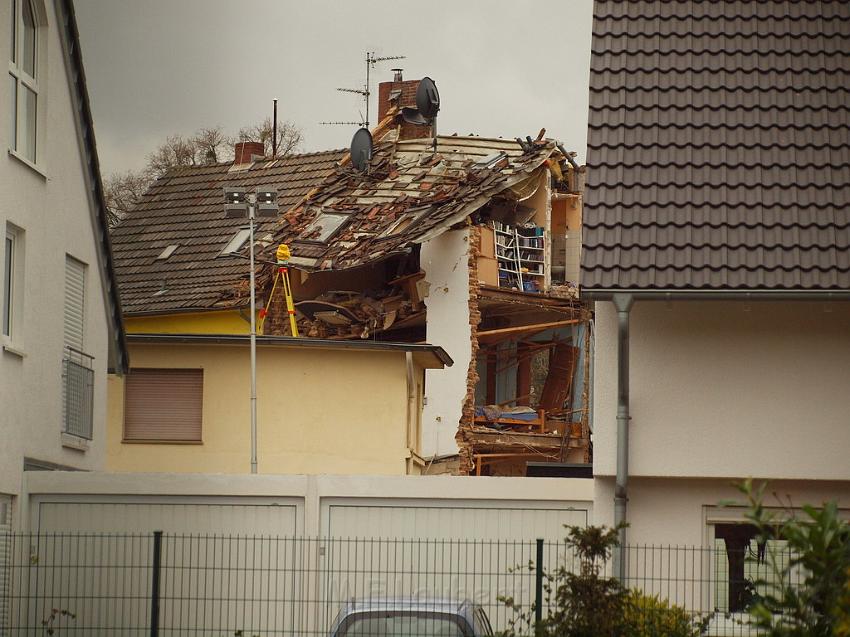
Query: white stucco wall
{"points": [[728, 389], [446, 265], [53, 211], [681, 511]]}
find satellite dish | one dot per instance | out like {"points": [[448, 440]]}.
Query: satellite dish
{"points": [[413, 116], [361, 149], [427, 98]]}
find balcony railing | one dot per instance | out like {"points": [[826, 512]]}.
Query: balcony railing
{"points": [[78, 377]]}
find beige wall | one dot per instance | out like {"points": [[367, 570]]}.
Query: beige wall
{"points": [[724, 390], [319, 411]]}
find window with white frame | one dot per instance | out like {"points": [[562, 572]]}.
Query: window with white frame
{"points": [[12, 282], [25, 71]]}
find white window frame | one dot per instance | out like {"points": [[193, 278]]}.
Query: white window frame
{"points": [[24, 81], [13, 274]]}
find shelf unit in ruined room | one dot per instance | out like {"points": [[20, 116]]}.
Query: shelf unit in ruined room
{"points": [[520, 254]]}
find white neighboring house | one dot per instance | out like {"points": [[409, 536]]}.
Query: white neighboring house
{"points": [[715, 244], [61, 318]]}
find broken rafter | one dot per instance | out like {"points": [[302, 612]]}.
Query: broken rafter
{"points": [[524, 329]]}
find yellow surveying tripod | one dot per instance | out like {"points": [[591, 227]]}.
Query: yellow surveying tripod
{"points": [[283, 255]]}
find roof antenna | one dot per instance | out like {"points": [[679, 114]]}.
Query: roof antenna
{"points": [[274, 130], [371, 60]]}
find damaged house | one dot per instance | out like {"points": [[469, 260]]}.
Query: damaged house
{"points": [[465, 242]]}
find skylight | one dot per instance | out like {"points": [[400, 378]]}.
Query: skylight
{"points": [[327, 224], [237, 242], [167, 252]]}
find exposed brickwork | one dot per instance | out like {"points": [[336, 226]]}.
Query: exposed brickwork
{"points": [[243, 151], [407, 99], [468, 414], [277, 319]]}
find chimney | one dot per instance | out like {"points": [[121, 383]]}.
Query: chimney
{"points": [[401, 93], [246, 152]]}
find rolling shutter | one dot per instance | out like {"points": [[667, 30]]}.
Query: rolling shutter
{"points": [[163, 405], [75, 294]]}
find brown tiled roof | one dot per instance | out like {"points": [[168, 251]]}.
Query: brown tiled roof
{"points": [[718, 146], [407, 180], [185, 208]]}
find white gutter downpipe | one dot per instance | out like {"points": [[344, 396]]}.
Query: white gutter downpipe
{"points": [[623, 303]]}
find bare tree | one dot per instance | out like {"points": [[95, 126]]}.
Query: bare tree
{"points": [[211, 145], [206, 146], [289, 136], [176, 150], [122, 192]]}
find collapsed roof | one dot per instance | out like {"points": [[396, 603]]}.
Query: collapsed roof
{"points": [[411, 192]]}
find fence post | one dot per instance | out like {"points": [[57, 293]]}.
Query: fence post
{"points": [[538, 589], [157, 560]]}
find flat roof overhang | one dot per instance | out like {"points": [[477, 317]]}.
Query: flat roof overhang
{"points": [[429, 356]]}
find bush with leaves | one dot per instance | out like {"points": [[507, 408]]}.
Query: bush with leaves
{"points": [[586, 603], [808, 595]]}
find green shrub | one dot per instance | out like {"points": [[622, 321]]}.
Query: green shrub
{"points": [[588, 604], [819, 541], [651, 616]]}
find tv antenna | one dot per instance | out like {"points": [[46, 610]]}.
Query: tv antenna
{"points": [[365, 92]]}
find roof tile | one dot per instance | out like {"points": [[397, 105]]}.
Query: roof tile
{"points": [[718, 145]]}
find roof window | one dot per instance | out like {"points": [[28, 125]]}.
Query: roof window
{"points": [[327, 224], [237, 242], [167, 252]]}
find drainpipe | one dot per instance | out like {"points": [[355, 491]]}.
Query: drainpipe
{"points": [[623, 303]]}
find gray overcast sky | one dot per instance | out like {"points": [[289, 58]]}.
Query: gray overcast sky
{"points": [[158, 67]]}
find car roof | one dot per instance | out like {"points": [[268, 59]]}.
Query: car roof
{"points": [[461, 607]]}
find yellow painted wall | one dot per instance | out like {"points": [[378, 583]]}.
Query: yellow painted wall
{"points": [[319, 411], [215, 322]]}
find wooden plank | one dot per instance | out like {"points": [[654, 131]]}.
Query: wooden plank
{"points": [[559, 380], [523, 329]]}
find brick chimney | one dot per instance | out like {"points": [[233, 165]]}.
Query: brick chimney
{"points": [[245, 152], [401, 93]]}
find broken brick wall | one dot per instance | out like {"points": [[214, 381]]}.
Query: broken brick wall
{"points": [[468, 413]]}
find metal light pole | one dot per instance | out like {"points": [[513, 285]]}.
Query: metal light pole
{"points": [[238, 203]]}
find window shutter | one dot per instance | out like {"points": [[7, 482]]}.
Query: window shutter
{"points": [[75, 294], [163, 404]]}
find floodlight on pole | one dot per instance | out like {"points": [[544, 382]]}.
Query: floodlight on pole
{"points": [[240, 204]]}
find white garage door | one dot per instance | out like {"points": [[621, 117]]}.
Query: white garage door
{"points": [[175, 516], [465, 520]]}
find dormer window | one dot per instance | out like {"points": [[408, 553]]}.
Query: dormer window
{"points": [[25, 72]]}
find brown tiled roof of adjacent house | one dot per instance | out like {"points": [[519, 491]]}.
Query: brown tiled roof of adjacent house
{"points": [[718, 146], [185, 208]]}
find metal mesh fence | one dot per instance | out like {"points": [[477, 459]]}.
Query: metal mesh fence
{"points": [[228, 585]]}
